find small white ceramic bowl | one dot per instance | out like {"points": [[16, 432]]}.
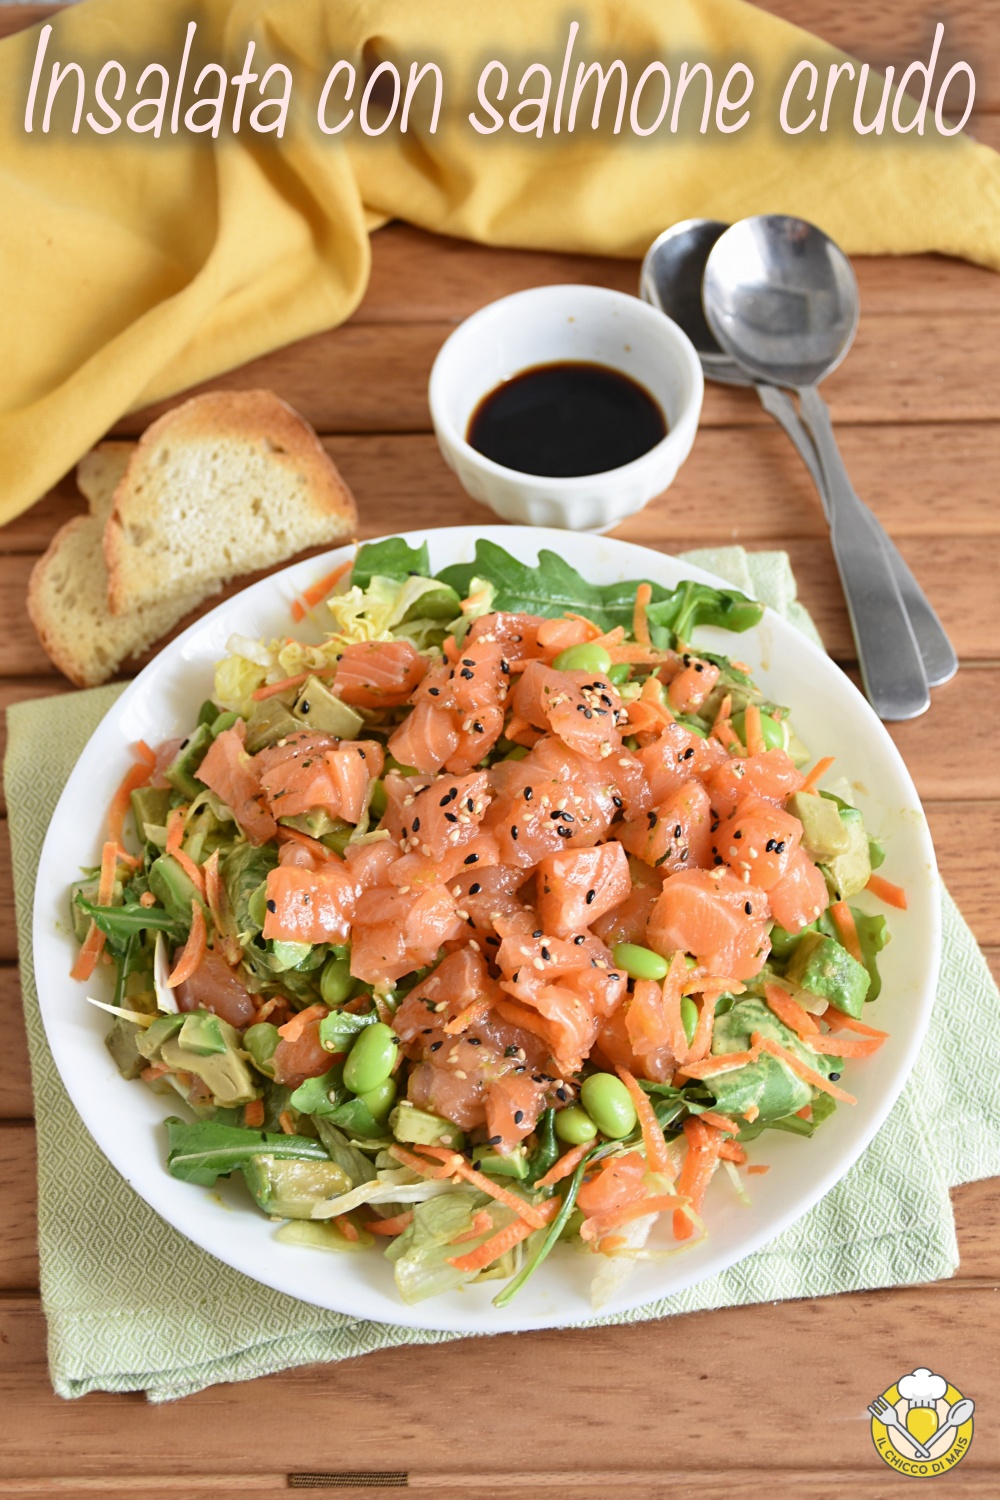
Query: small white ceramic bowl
{"points": [[549, 325]]}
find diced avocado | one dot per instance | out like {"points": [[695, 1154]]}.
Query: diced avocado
{"points": [[151, 1040], [784, 943], [181, 771], [225, 1074], [172, 887], [850, 872], [202, 1033], [122, 1041], [81, 922], [150, 804], [821, 966], [318, 707], [288, 1189], [290, 955], [824, 833], [495, 1165], [420, 1127], [270, 721], [316, 823]]}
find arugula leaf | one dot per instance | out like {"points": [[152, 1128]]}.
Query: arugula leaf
{"points": [[392, 558], [553, 587], [120, 924], [204, 1151], [767, 1083]]}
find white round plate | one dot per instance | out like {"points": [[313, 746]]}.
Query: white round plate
{"points": [[125, 1119]]}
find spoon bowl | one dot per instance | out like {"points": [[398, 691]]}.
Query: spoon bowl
{"points": [[670, 280], [782, 298]]}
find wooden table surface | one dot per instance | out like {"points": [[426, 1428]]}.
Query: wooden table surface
{"points": [[739, 1402]]}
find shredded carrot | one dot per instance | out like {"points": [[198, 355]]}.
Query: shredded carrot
{"points": [[722, 729], [845, 1046], [757, 1170], [392, 1226], [732, 1151], [317, 592], [282, 686], [701, 1042], [838, 1020], [498, 1244], [147, 899], [450, 649], [461, 1168], [892, 895], [640, 625], [637, 655], [593, 631], [846, 928], [286, 1122], [93, 943], [153, 1072], [218, 906], [253, 1114], [696, 1173], [347, 1228], [672, 985], [657, 1155], [288, 835], [790, 1011], [175, 833], [817, 773], [719, 1122], [599, 1226], [481, 1222], [755, 734], [750, 1113], [474, 1012], [135, 777], [293, 1029], [567, 1163], [765, 1044], [145, 753], [418, 1164], [722, 1064], [481, 596], [194, 949], [805, 1113]]}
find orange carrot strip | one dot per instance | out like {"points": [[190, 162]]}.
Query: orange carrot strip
{"points": [[347, 1228], [474, 1012], [317, 592], [481, 1222], [395, 1225], [593, 631], [93, 943], [280, 687], [754, 732], [288, 835], [732, 1151], [145, 753], [672, 987], [153, 1072], [818, 771], [567, 1163], [790, 1011], [147, 899], [450, 649], [725, 1063], [845, 1046], [485, 1184], [701, 1042], [750, 1113], [218, 907], [757, 1170], [719, 1122], [640, 625], [837, 1020], [765, 1044], [136, 776], [637, 655], [253, 1114], [175, 833], [805, 1113], [498, 1244], [600, 1225], [657, 1155], [293, 1029], [696, 1173], [892, 895], [286, 1122], [417, 1164], [723, 731], [847, 930], [194, 949]]}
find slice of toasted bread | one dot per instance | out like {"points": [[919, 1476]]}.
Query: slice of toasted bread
{"points": [[68, 606], [98, 473], [227, 483]]}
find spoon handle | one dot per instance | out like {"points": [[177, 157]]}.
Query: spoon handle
{"points": [[891, 666], [940, 661]]}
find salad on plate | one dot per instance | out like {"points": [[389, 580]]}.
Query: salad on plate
{"points": [[496, 915]]}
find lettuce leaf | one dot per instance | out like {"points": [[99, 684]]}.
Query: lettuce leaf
{"points": [[392, 558]]}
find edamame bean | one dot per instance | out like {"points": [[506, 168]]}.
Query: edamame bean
{"points": [[380, 1099], [585, 658], [609, 1104], [639, 963], [693, 727], [574, 1126], [224, 721], [772, 731], [335, 982], [618, 674], [689, 1017], [261, 1041], [371, 1059]]}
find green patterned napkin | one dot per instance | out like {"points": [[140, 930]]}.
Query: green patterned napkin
{"points": [[108, 1333]]}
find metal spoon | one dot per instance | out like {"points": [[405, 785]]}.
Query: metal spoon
{"points": [[781, 299], [957, 1414], [671, 279]]}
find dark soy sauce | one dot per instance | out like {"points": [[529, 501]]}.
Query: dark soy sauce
{"points": [[565, 420]]}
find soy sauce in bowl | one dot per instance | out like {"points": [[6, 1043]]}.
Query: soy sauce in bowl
{"points": [[565, 420]]}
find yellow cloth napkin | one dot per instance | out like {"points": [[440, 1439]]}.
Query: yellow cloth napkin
{"points": [[134, 266]]}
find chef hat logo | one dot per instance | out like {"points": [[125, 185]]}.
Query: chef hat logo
{"points": [[922, 1387]]}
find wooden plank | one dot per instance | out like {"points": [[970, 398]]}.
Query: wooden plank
{"points": [[373, 377], [599, 1383], [736, 485], [966, 837], [8, 929], [16, 1102]]}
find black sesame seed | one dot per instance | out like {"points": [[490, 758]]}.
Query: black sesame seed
{"points": [[770, 846], [689, 752], [562, 1094], [748, 908], [470, 859], [780, 847], [362, 753], [466, 673], [590, 896], [718, 860], [474, 1041], [272, 906], [518, 1116], [617, 801], [546, 954], [651, 818], [510, 1052], [436, 1045], [475, 888], [416, 825], [504, 666], [513, 832], [715, 824], [450, 818], [304, 708], [579, 940], [738, 834], [528, 794], [467, 661], [678, 830], [834, 1077], [445, 800], [477, 1166], [537, 934], [494, 1140], [564, 832], [434, 692]]}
